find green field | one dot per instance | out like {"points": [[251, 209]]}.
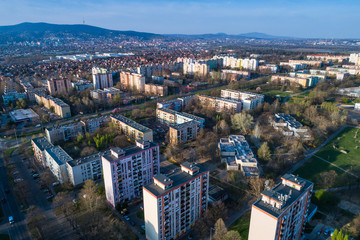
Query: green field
{"points": [[345, 141], [242, 226]]}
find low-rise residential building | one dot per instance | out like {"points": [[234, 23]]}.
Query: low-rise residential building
{"points": [[58, 86], [281, 212], [175, 104], [56, 159], [82, 85], [127, 170], [132, 129], [355, 58], [313, 63], [39, 145], [269, 68], [221, 104], [248, 100], [357, 106], [64, 133], [184, 132], [24, 115], [288, 125], [173, 203], [217, 194], [106, 93], [155, 89], [293, 66], [92, 124], [58, 106], [351, 92], [304, 82], [234, 75], [30, 90], [169, 116], [328, 57], [12, 96], [85, 168], [237, 154]]}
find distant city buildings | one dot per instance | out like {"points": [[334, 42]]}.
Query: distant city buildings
{"points": [[54, 104], [237, 155], [173, 203], [247, 99], [102, 78], [327, 57], [58, 86], [132, 129], [281, 212], [289, 126], [233, 75], [127, 170], [199, 67], [233, 62], [355, 58]]}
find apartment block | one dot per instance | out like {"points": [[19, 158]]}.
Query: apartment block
{"points": [[12, 96], [64, 133], [132, 129], [132, 81], [60, 108], [173, 203], [92, 124], [39, 145], [175, 104], [184, 132], [102, 78], [221, 104], [58, 86], [157, 90], [281, 212], [327, 57], [304, 82], [106, 93], [56, 159], [237, 154], [85, 168], [169, 116], [82, 85], [313, 63], [127, 170], [30, 90], [234, 75], [247, 99], [355, 58], [272, 68], [288, 125]]}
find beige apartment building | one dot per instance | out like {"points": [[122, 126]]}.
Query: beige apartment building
{"points": [[132, 129], [221, 104], [57, 86], [60, 108]]}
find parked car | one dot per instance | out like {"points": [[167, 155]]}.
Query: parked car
{"points": [[143, 227], [55, 184], [15, 172], [50, 196], [18, 180], [39, 125], [35, 176], [45, 190], [11, 220], [127, 218], [132, 223]]}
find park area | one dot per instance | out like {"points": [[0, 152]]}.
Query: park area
{"points": [[337, 164]]}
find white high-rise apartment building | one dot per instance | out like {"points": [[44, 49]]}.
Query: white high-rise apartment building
{"points": [[174, 202], [281, 212], [102, 78], [127, 170]]}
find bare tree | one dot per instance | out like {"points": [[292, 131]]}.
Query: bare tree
{"points": [[220, 229]]}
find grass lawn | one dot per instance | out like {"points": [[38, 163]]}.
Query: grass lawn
{"points": [[276, 92], [350, 161], [140, 214], [242, 225], [4, 237]]}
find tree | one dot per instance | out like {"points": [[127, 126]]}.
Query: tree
{"points": [[222, 128], [232, 235], [86, 151], [257, 185], [220, 229], [34, 220], [327, 179], [242, 121], [90, 197], [264, 152], [257, 131]]}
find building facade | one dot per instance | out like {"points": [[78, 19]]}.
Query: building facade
{"points": [[56, 159], [58, 106], [184, 132], [288, 125], [132, 129], [248, 100], [127, 170], [174, 202], [281, 212], [102, 78], [132, 81], [39, 145], [169, 116], [221, 104], [58, 86], [155, 89]]}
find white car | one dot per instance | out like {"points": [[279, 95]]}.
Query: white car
{"points": [[18, 180]]}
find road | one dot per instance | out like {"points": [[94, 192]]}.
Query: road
{"points": [[18, 230]]}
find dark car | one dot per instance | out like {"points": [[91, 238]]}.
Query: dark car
{"points": [[132, 223]]}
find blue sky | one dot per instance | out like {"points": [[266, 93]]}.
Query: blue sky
{"points": [[298, 18]]}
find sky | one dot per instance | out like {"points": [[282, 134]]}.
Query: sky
{"points": [[293, 18]]}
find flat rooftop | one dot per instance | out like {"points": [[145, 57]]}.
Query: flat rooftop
{"points": [[42, 143], [23, 114], [128, 151], [90, 158], [59, 155], [184, 114], [178, 178], [132, 123], [184, 125], [281, 190]]}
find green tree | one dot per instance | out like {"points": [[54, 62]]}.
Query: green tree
{"points": [[80, 138], [242, 121], [232, 235], [264, 152]]}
